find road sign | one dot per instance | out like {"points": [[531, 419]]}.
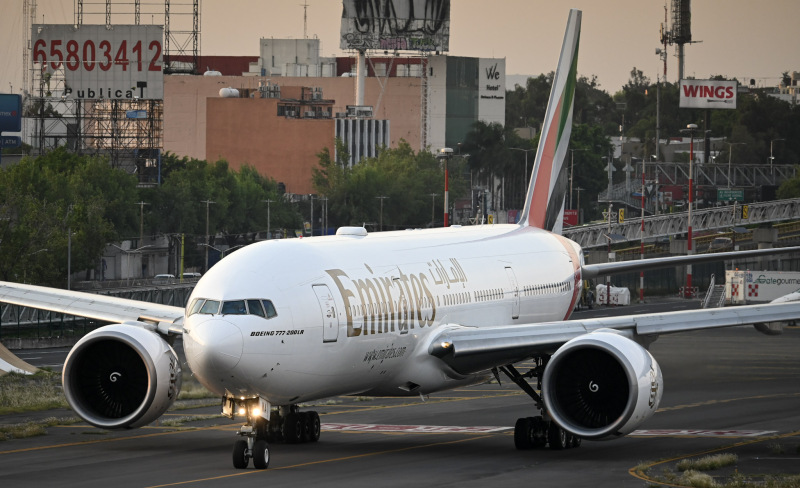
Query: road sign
{"points": [[10, 141], [745, 212], [730, 194]]}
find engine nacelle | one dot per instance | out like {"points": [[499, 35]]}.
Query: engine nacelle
{"points": [[121, 377], [601, 385]]}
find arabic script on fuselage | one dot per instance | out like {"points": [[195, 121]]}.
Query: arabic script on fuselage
{"points": [[397, 301]]}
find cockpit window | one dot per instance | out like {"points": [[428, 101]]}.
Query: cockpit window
{"points": [[196, 304], [234, 307], [254, 306], [210, 307], [269, 308]]}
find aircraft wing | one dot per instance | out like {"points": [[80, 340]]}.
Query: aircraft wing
{"points": [[593, 270], [166, 318], [473, 349]]}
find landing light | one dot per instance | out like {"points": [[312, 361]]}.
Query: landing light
{"points": [[446, 345], [256, 412], [242, 411]]}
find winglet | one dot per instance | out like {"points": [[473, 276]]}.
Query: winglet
{"points": [[544, 205]]}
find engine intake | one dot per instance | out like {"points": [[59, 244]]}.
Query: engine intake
{"points": [[121, 377], [601, 385]]}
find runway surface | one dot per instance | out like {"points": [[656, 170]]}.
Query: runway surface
{"points": [[731, 390]]}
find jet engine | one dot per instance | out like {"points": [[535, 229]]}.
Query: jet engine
{"points": [[121, 376], [601, 385]]}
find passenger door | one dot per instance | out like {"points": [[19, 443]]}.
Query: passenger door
{"points": [[330, 319]]}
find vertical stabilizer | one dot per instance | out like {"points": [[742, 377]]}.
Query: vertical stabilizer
{"points": [[544, 205]]}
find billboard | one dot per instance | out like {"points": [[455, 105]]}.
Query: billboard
{"points": [[708, 94], [396, 25], [119, 62], [10, 112]]}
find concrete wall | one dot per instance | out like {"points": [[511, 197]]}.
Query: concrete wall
{"points": [[249, 131], [185, 99]]}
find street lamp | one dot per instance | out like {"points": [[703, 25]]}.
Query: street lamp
{"points": [[730, 152], [381, 198], [444, 154], [433, 206], [221, 251], [207, 202], [690, 129], [128, 253], [771, 157], [572, 172], [525, 179], [141, 220], [268, 216]]}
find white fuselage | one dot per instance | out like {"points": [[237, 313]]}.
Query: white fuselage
{"points": [[354, 313]]}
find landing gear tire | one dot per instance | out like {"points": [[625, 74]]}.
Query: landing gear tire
{"points": [[523, 434], [311, 426], [240, 457], [261, 454], [574, 441], [293, 428], [557, 437]]}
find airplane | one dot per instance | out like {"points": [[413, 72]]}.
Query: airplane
{"points": [[400, 313]]}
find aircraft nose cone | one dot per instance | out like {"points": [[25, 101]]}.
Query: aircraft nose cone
{"points": [[215, 345]]}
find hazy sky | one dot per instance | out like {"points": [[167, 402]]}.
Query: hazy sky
{"points": [[741, 38]]}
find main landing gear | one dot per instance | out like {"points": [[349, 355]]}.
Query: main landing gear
{"points": [[540, 431], [286, 424]]}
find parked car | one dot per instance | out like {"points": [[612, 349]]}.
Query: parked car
{"points": [[163, 279], [721, 244]]}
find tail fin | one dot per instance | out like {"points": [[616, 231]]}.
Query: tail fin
{"points": [[544, 205]]}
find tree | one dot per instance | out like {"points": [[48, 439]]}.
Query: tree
{"points": [[404, 177], [47, 197]]}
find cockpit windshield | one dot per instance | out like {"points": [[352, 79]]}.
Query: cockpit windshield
{"points": [[260, 307]]}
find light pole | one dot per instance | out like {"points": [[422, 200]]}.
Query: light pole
{"points": [[690, 129], [571, 173], [128, 253], [445, 153], [324, 215], [207, 202], [433, 206], [381, 198], [641, 243], [221, 251], [771, 157], [141, 220], [268, 216], [311, 199], [730, 152], [525, 178], [578, 207]]}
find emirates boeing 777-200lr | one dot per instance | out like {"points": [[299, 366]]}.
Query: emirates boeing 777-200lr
{"points": [[396, 313]]}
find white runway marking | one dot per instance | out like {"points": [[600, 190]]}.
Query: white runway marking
{"points": [[702, 433], [426, 429]]}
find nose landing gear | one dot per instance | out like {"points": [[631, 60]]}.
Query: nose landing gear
{"points": [[286, 424]]}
